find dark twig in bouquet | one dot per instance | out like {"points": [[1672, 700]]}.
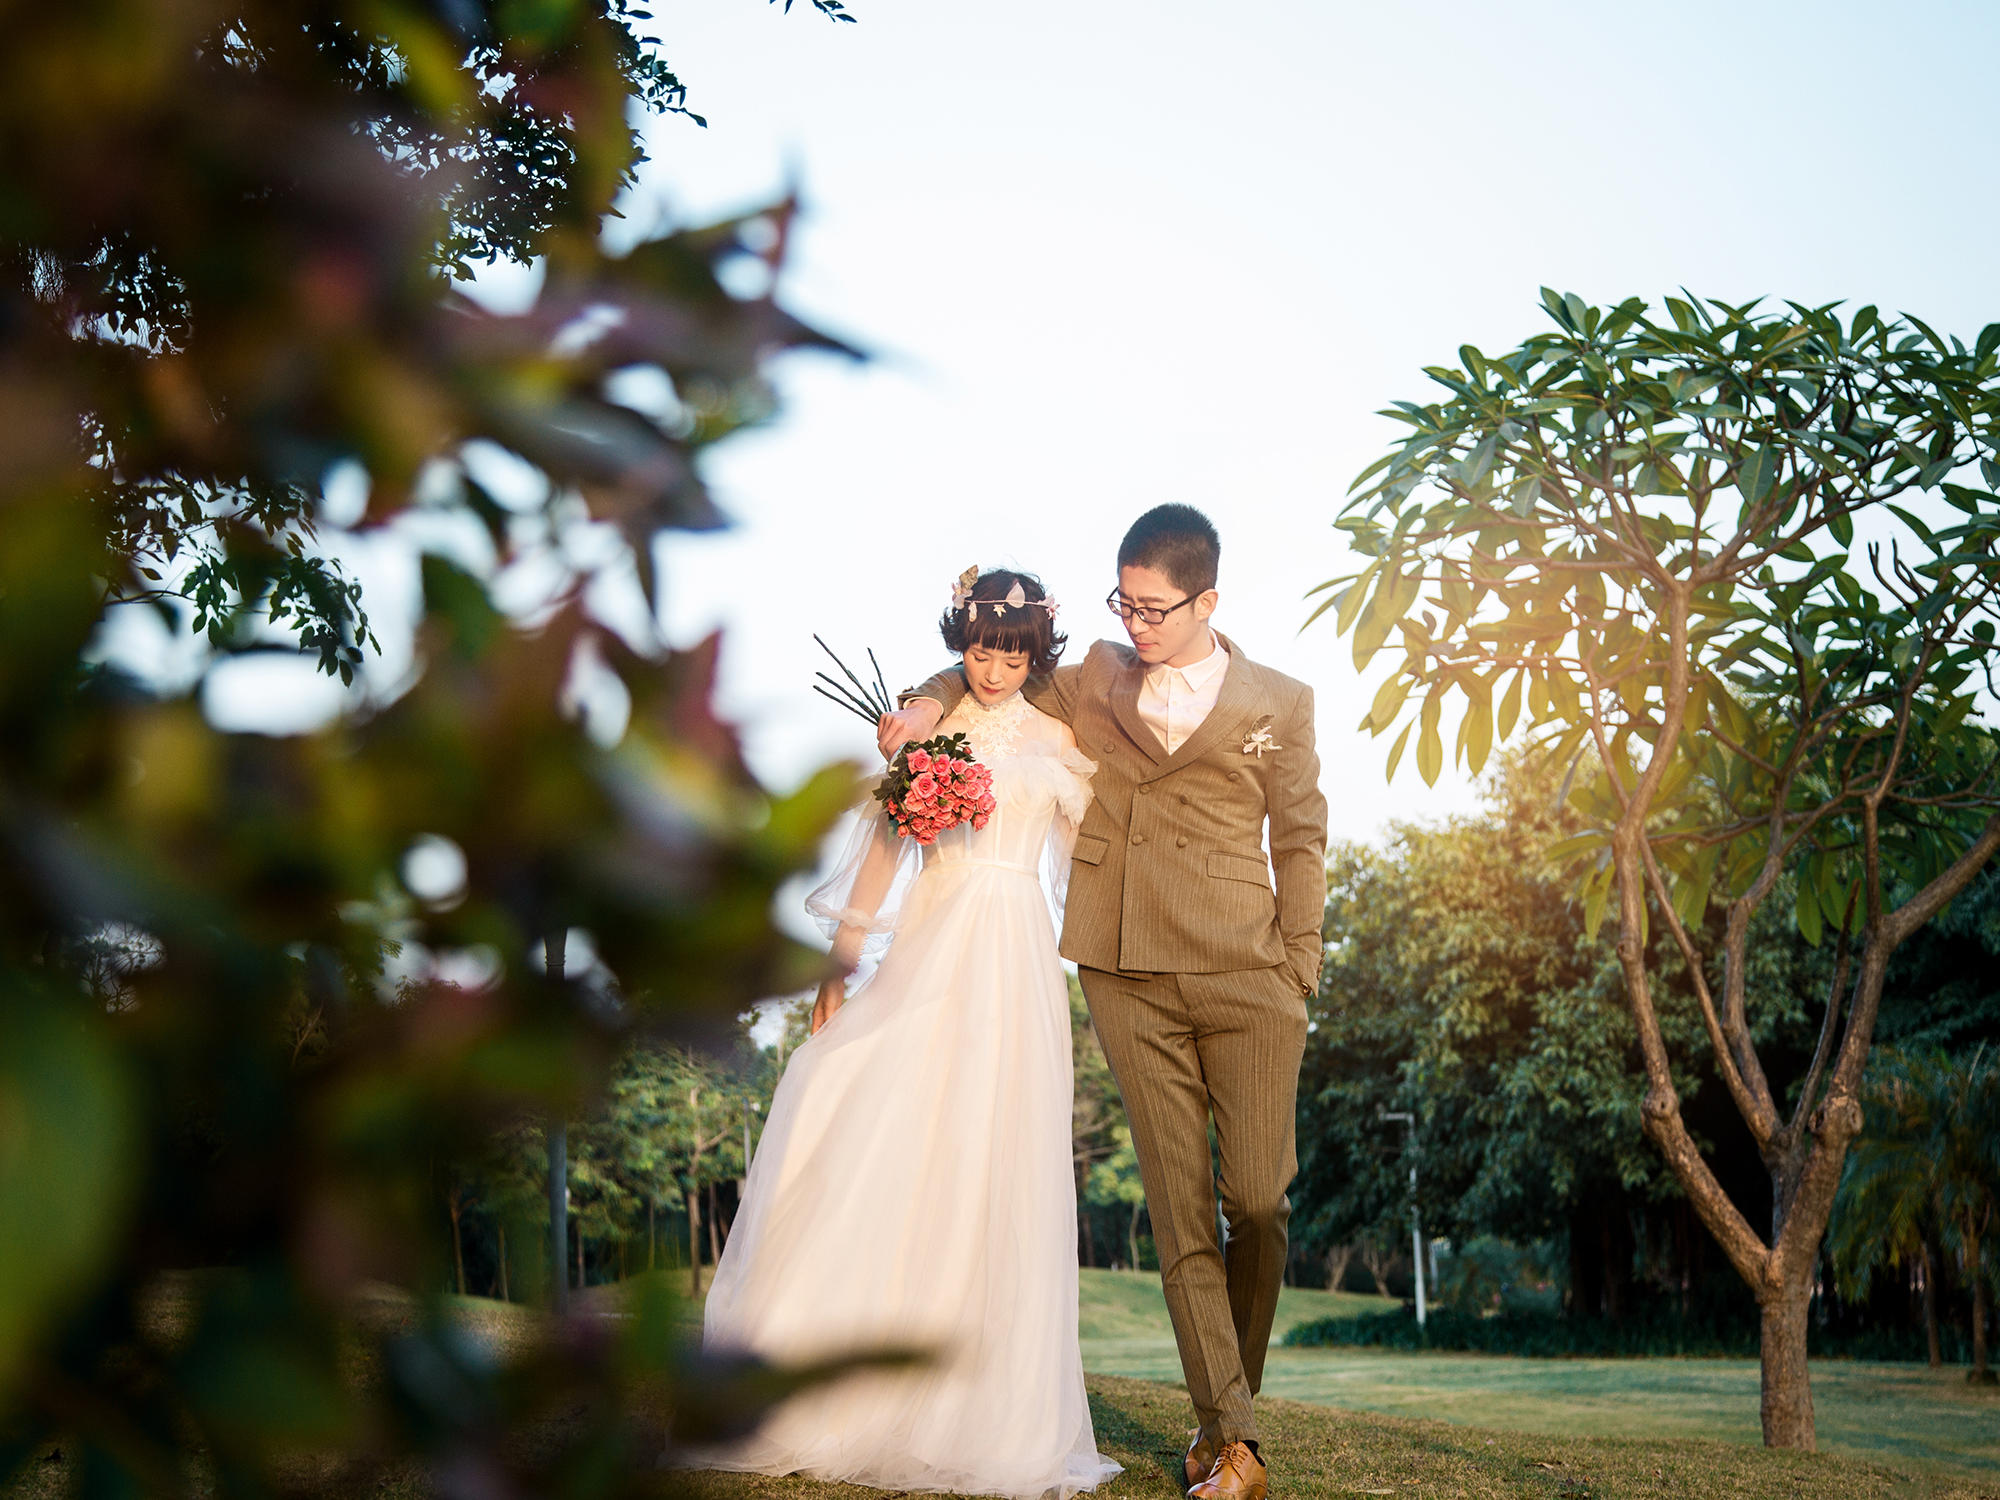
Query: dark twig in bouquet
{"points": [[865, 700]]}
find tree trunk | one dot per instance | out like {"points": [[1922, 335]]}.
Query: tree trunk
{"points": [[1338, 1259], [1089, 1239], [1927, 1270], [694, 1241], [714, 1226], [505, 1294], [558, 1194], [554, 948], [457, 1240], [1684, 1229], [652, 1237], [1787, 1405], [1377, 1262], [1615, 1240], [1132, 1237], [582, 1277], [1975, 1272]]}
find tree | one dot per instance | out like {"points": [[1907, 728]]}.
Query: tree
{"points": [[705, 1125], [1925, 1175], [673, 1120], [1943, 989], [1096, 1113], [1338, 1259], [1461, 986], [260, 1097], [1115, 1180], [1646, 531], [1378, 1257], [364, 157]]}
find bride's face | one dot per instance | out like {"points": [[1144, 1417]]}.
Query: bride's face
{"points": [[993, 675]]}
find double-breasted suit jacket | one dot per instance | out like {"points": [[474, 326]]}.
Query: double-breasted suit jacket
{"points": [[1170, 873]]}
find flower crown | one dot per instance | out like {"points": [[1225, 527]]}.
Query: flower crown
{"points": [[1017, 597]]}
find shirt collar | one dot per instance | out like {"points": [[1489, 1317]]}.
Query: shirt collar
{"points": [[1198, 674]]}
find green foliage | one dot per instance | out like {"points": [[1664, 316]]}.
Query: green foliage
{"points": [[66, 1158], [1487, 1274], [223, 238], [363, 157], [1943, 989], [1740, 569], [1643, 534], [1660, 1332], [1462, 985], [1926, 1169], [1110, 1197]]}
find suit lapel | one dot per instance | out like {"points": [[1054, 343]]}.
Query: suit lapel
{"points": [[1239, 701], [1125, 709]]}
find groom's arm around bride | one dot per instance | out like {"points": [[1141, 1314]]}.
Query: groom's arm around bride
{"points": [[1195, 960]]}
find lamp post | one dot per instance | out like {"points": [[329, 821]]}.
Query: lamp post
{"points": [[1409, 1123]]}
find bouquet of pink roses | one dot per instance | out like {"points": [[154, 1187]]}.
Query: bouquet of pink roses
{"points": [[935, 786]]}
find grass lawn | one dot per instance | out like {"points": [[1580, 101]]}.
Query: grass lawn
{"points": [[1906, 1415], [1128, 1305], [1322, 1454], [1378, 1423]]}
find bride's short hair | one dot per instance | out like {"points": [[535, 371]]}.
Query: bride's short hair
{"points": [[987, 620]]}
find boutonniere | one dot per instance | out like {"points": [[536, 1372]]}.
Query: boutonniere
{"points": [[1258, 740]]}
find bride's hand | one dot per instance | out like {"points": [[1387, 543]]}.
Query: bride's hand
{"points": [[896, 729], [832, 995]]}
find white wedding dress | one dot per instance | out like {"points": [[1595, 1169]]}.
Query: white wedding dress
{"points": [[913, 1183]]}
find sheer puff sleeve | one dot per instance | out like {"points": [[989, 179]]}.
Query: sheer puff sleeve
{"points": [[857, 905], [1071, 774]]}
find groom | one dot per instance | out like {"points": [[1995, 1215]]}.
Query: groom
{"points": [[1196, 969]]}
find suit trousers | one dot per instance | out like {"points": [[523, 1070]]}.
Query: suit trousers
{"points": [[1183, 1048]]}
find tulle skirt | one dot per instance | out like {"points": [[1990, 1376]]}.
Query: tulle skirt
{"points": [[913, 1186]]}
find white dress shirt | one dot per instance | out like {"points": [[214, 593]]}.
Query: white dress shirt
{"points": [[1174, 700]]}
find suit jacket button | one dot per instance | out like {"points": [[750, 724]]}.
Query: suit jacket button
{"points": [[1181, 842], [1184, 799], [1145, 790], [1110, 749], [1138, 838], [1235, 775]]}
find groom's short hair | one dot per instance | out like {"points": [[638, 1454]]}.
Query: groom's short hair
{"points": [[1176, 540]]}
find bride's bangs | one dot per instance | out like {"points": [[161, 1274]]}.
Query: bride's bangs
{"points": [[1008, 631]]}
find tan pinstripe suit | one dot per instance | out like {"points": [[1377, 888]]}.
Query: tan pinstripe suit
{"points": [[1196, 970]]}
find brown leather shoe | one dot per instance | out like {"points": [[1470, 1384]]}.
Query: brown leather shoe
{"points": [[1200, 1458], [1239, 1474]]}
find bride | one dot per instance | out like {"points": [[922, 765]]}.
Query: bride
{"points": [[913, 1185]]}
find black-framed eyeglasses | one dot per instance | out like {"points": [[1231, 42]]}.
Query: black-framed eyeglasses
{"points": [[1124, 608]]}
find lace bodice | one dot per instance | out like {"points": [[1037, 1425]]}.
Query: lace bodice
{"points": [[997, 731], [1035, 780], [1041, 787]]}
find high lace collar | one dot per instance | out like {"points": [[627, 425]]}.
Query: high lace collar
{"points": [[995, 728]]}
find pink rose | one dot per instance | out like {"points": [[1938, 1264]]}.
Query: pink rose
{"points": [[919, 761], [924, 787]]}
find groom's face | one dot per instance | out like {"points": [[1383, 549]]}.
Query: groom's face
{"points": [[1182, 636]]}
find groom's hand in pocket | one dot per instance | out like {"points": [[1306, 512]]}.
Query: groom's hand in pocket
{"points": [[915, 721]]}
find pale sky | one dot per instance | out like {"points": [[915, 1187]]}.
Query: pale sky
{"points": [[1113, 254]]}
